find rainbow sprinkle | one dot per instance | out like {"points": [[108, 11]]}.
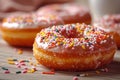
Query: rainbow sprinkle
{"points": [[31, 21], [71, 36]]}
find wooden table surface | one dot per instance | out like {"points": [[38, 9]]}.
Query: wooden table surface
{"points": [[7, 51]]}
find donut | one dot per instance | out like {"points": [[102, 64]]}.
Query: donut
{"points": [[21, 30], [69, 12], [73, 47], [110, 24]]}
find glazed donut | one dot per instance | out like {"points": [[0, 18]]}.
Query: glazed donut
{"points": [[73, 47], [21, 30], [111, 24], [70, 13]]}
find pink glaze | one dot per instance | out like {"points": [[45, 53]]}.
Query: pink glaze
{"points": [[31, 21], [109, 23], [74, 38]]}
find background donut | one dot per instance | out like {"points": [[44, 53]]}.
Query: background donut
{"points": [[111, 24], [21, 30], [70, 12]]}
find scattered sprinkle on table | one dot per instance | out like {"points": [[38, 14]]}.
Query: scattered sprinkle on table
{"points": [[49, 72], [18, 72], [7, 72], [4, 68], [27, 66], [11, 62], [11, 59], [75, 78]]}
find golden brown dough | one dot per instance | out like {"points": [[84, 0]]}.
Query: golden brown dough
{"points": [[73, 47]]}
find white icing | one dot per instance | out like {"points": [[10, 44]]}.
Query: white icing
{"points": [[9, 25], [40, 21], [43, 45], [43, 19], [100, 27], [17, 25]]}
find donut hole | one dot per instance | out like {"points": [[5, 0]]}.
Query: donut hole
{"points": [[72, 33]]}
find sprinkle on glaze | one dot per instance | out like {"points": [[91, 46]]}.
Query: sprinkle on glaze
{"points": [[72, 36], [109, 23], [31, 21]]}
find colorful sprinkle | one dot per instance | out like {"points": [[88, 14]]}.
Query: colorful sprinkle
{"points": [[72, 35], [75, 78], [18, 66], [4, 68], [18, 72], [11, 62], [7, 72], [83, 46], [11, 59], [23, 65], [22, 61], [50, 72], [31, 70], [24, 71]]}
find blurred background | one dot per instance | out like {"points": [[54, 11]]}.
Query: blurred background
{"points": [[98, 8], [11, 7]]}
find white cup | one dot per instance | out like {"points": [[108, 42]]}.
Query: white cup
{"points": [[103, 7]]}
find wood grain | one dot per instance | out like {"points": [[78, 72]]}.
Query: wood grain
{"points": [[7, 51]]}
